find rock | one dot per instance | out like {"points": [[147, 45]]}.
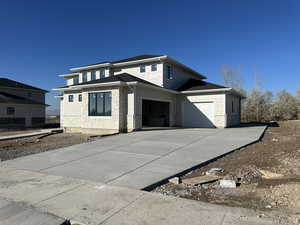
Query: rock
{"points": [[227, 183], [269, 175], [174, 180], [214, 171], [200, 180], [268, 207]]}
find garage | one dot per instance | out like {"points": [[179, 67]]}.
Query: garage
{"points": [[198, 114], [155, 113]]}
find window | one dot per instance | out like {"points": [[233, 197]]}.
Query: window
{"points": [[75, 80], [93, 75], [102, 74], [142, 69], [232, 107], [154, 67], [100, 104], [169, 72], [29, 94], [84, 77], [80, 98], [10, 111], [71, 98]]}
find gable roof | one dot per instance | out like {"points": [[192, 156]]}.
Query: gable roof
{"points": [[123, 77], [14, 99], [196, 85], [7, 83]]}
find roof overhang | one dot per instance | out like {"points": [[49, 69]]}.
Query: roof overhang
{"points": [[67, 75], [219, 90], [112, 84], [85, 86], [77, 69]]}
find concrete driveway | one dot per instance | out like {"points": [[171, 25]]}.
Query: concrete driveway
{"points": [[139, 159]]}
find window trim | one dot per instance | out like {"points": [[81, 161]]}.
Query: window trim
{"points": [[69, 98], [153, 66], [96, 104], [8, 112], [142, 69]]}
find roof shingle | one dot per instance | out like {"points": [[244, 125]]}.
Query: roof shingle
{"points": [[193, 85], [7, 83], [14, 99]]}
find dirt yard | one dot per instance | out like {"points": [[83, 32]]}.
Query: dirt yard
{"points": [[25, 146], [267, 175]]}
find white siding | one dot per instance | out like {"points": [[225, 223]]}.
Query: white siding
{"points": [[219, 106], [155, 77]]}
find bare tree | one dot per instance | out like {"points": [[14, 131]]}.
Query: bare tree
{"points": [[232, 78], [257, 106], [285, 106]]}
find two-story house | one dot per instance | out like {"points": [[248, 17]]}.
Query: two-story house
{"points": [[144, 91], [21, 105]]}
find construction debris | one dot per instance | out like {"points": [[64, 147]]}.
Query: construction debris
{"points": [[214, 171], [227, 183], [200, 180], [174, 180]]}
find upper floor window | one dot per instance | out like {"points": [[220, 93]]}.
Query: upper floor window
{"points": [[169, 72], [71, 98], [102, 73], [154, 67], [29, 94], [142, 69], [10, 111], [75, 80], [100, 104], [93, 75], [84, 77], [80, 98]]}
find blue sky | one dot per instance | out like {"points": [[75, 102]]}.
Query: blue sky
{"points": [[40, 39]]}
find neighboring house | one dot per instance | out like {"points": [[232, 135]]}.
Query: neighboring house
{"points": [[144, 91], [21, 105]]}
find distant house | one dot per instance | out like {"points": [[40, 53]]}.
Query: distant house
{"points": [[21, 105], [144, 91]]}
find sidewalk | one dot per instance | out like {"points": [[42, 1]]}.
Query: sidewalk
{"points": [[97, 203]]}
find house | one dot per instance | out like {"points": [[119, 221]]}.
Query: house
{"points": [[144, 91], [21, 105]]}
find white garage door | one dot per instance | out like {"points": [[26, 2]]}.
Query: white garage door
{"points": [[198, 114]]}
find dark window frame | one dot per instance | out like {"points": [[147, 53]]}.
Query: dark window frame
{"points": [[169, 72], [84, 77], [102, 73], [71, 98], [154, 67], [142, 69], [97, 95], [10, 111], [80, 98], [93, 75], [75, 80]]}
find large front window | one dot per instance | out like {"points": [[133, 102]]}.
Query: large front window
{"points": [[100, 104]]}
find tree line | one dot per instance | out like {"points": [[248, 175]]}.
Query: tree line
{"points": [[260, 105]]}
